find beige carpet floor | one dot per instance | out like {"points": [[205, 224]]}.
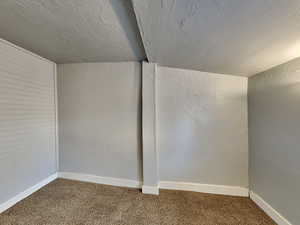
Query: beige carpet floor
{"points": [[65, 202]]}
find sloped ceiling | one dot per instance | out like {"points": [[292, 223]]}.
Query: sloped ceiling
{"points": [[73, 30], [238, 37]]}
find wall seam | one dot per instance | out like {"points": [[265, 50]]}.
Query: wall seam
{"points": [[56, 116], [155, 123]]}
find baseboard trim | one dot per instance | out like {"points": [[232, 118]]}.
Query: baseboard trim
{"points": [[205, 188], [276, 216], [11, 202], [100, 180], [151, 190]]}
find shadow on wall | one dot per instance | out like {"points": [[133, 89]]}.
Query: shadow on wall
{"points": [[140, 124]]}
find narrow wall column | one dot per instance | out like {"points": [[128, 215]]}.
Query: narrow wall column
{"points": [[150, 162]]}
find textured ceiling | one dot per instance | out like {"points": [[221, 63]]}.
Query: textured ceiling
{"points": [[73, 30], [236, 37]]}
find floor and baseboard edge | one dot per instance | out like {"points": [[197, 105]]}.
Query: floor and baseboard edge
{"points": [[205, 188], [269, 210], [151, 190], [11, 202], [100, 180]]}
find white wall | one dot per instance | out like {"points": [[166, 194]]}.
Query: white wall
{"points": [[202, 127], [27, 120], [150, 163], [274, 138], [100, 119]]}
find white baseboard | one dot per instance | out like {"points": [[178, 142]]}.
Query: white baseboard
{"points": [[100, 180], [279, 219], [6, 205], [151, 190], [205, 188]]}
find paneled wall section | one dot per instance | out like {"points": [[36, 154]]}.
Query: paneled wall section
{"points": [[27, 120]]}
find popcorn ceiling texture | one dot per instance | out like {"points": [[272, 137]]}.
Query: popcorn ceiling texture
{"points": [[73, 30], [229, 37]]}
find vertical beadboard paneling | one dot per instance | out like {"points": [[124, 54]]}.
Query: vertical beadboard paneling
{"points": [[27, 120]]}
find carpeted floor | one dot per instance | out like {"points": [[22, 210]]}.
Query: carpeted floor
{"points": [[65, 202]]}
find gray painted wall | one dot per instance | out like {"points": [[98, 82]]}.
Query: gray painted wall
{"points": [[274, 138], [202, 127], [99, 119], [27, 120]]}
